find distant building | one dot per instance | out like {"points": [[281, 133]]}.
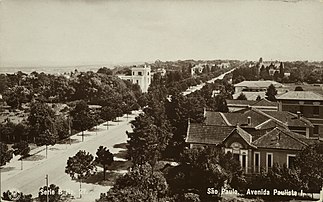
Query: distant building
{"points": [[272, 66], [223, 65], [308, 104], [255, 138], [255, 86], [263, 104], [197, 69], [161, 71], [140, 75]]}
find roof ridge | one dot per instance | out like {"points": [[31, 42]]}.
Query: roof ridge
{"points": [[243, 131], [267, 115], [225, 119], [237, 129], [256, 127]]}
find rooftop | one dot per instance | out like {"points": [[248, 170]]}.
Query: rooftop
{"points": [[300, 95], [207, 134], [262, 102], [258, 84], [279, 138]]}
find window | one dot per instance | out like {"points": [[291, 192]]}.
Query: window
{"points": [[290, 160], [133, 73], [140, 73], [137, 81], [316, 111], [148, 73], [257, 162], [316, 130], [269, 160]]}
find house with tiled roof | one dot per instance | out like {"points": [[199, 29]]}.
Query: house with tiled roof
{"points": [[306, 103], [256, 138]]}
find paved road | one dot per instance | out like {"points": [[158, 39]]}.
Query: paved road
{"points": [[32, 177], [200, 86]]}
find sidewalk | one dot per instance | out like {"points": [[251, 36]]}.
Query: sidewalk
{"points": [[13, 168]]}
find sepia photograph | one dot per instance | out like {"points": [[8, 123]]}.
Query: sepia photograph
{"points": [[161, 100]]}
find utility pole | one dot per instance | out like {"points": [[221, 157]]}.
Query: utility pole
{"points": [[69, 128], [47, 191]]}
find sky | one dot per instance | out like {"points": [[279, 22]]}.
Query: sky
{"points": [[71, 32]]}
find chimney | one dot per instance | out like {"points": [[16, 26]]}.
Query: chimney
{"points": [[299, 114], [249, 121]]}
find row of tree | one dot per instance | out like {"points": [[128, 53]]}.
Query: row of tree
{"points": [[94, 88]]}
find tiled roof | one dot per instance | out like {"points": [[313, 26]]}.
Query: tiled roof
{"points": [[289, 118], [241, 102], [207, 134], [259, 119], [300, 95], [279, 138], [262, 102], [243, 134], [258, 84], [270, 123], [265, 102], [242, 118], [214, 118]]}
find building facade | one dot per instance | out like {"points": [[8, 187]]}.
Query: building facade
{"points": [[257, 139], [140, 75], [307, 104]]}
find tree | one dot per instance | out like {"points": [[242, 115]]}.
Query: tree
{"points": [[310, 162], [298, 88], [218, 103], [242, 97], [212, 163], [105, 70], [6, 154], [41, 120], [10, 195], [108, 114], [147, 141], [271, 93], [258, 98], [138, 185], [46, 138], [82, 119], [277, 76], [281, 70], [16, 96], [80, 166], [22, 148], [62, 127], [3, 83], [104, 157]]}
